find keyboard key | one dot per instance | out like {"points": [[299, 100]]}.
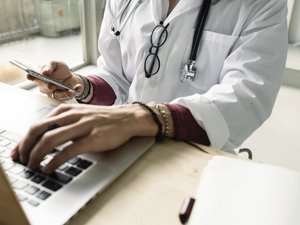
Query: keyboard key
{"points": [[11, 146], [63, 167], [46, 160], [31, 190], [61, 177], [10, 136], [84, 164], [12, 179], [33, 203], [6, 165], [4, 142], [21, 197], [54, 152], [19, 185], [17, 169], [51, 185], [43, 195], [38, 179], [73, 171], [5, 154], [27, 174], [74, 160]]}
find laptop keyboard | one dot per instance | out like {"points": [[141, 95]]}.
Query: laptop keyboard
{"points": [[34, 187]]}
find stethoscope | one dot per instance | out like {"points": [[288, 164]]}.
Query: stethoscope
{"points": [[116, 31], [189, 69]]}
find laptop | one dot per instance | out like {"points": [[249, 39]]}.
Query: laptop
{"points": [[31, 198]]}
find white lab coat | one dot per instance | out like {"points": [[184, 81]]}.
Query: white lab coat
{"points": [[240, 62]]}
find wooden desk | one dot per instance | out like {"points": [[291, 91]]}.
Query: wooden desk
{"points": [[152, 190]]}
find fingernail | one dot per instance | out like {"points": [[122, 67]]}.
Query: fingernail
{"points": [[24, 161], [13, 154]]}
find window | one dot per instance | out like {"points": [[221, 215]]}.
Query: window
{"points": [[292, 77], [43, 30]]}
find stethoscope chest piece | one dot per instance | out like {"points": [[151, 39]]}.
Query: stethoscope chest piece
{"points": [[189, 71]]}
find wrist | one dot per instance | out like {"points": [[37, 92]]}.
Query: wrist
{"points": [[85, 95], [74, 80], [159, 117], [142, 123]]}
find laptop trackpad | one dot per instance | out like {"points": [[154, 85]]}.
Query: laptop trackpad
{"points": [[20, 110], [26, 122]]}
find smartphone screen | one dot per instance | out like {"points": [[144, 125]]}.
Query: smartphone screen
{"points": [[41, 76]]}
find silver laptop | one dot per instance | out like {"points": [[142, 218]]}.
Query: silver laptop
{"points": [[30, 196]]}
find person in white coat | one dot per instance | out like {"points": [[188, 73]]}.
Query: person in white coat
{"points": [[216, 91]]}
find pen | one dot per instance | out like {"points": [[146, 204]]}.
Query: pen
{"points": [[186, 209]]}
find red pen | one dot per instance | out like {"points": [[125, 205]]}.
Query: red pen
{"points": [[186, 209]]}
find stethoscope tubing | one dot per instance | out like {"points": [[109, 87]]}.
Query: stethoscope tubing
{"points": [[119, 15], [201, 21]]}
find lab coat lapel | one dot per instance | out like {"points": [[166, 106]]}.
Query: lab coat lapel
{"points": [[159, 9], [183, 6]]}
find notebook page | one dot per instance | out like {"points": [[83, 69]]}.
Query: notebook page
{"points": [[239, 192]]}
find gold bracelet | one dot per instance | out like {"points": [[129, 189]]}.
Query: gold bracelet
{"points": [[165, 120]]}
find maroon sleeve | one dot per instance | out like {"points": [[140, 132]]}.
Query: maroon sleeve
{"points": [[186, 127], [103, 92]]}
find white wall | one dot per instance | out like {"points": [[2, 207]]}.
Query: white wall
{"points": [[294, 23]]}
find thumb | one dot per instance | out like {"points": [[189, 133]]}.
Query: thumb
{"points": [[78, 91]]}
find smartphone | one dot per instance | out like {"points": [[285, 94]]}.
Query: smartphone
{"points": [[41, 76]]}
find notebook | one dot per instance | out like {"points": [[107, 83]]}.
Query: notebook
{"points": [[235, 192], [30, 197]]}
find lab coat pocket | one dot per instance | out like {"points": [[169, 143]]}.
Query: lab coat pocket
{"points": [[212, 52]]}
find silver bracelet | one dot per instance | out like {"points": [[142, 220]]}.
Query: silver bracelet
{"points": [[165, 120], [86, 89]]}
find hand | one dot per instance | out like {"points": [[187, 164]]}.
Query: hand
{"points": [[89, 128], [60, 72]]}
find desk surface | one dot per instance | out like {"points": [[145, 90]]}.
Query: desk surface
{"points": [[152, 190]]}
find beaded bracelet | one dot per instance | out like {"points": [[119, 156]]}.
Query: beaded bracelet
{"points": [[159, 136], [86, 89], [165, 119]]}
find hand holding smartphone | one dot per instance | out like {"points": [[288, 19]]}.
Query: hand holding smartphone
{"points": [[42, 77]]}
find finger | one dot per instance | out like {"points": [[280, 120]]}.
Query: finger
{"points": [[35, 80], [60, 109], [29, 77], [52, 87], [29, 141], [61, 95], [43, 86], [49, 69], [54, 138], [36, 132], [14, 154], [65, 155]]}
